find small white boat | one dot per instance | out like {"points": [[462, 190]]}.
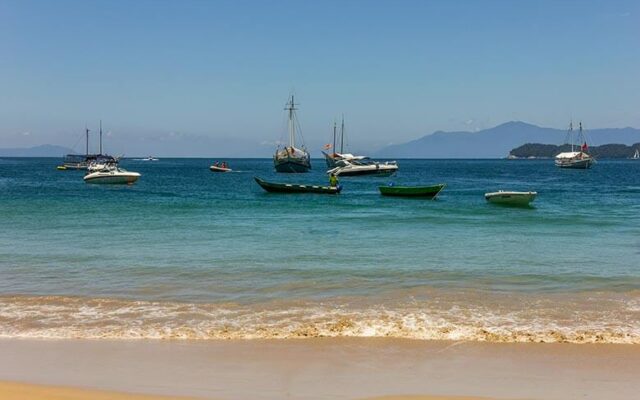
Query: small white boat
{"points": [[112, 174], [150, 159], [217, 168], [510, 198], [356, 168]]}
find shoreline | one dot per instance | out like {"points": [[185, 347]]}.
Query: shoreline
{"points": [[344, 368]]}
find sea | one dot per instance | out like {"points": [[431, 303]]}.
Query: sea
{"points": [[185, 253]]}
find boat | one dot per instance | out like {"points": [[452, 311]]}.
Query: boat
{"points": [[412, 191], [291, 159], [216, 168], [333, 158], [575, 159], [150, 158], [111, 174], [363, 167], [83, 161], [510, 198], [636, 155], [296, 188]]}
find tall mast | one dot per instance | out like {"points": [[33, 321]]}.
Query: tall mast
{"points": [[86, 131], [342, 136], [292, 128], [334, 136], [571, 134], [581, 137], [100, 137]]}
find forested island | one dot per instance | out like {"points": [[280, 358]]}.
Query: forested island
{"points": [[539, 150]]}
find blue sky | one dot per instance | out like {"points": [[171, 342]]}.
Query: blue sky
{"points": [[211, 77]]}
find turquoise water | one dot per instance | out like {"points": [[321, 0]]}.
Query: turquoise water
{"points": [[188, 253]]}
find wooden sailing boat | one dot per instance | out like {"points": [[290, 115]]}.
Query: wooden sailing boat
{"points": [[291, 159], [575, 159]]}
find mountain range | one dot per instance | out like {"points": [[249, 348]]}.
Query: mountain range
{"points": [[45, 150], [496, 142]]}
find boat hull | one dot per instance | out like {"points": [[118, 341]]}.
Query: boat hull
{"points": [[518, 199], [213, 168], [296, 188], [380, 171], [330, 160], [292, 165], [107, 178], [412, 191], [575, 164]]}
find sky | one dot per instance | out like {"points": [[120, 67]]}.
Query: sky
{"points": [[211, 78]]}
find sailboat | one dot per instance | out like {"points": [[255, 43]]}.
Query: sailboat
{"points": [[83, 161], [333, 158], [575, 159], [289, 158], [636, 155]]}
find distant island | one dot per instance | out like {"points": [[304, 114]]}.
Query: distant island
{"points": [[538, 150]]}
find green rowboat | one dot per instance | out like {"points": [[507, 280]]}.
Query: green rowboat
{"points": [[412, 191], [296, 188]]}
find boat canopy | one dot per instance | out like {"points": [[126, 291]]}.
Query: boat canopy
{"points": [[570, 154]]}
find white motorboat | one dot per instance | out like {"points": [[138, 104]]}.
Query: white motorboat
{"points": [[363, 167], [111, 174], [575, 159], [505, 197], [150, 158]]}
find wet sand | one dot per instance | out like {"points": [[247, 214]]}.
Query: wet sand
{"points": [[326, 368], [21, 391]]}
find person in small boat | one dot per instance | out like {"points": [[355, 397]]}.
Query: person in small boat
{"points": [[333, 180], [224, 164], [215, 164]]}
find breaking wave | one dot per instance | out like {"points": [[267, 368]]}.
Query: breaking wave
{"points": [[543, 320]]}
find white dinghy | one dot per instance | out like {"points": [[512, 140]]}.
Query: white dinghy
{"points": [[510, 198]]}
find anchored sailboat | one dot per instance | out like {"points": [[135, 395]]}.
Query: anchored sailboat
{"points": [[83, 161], [291, 159], [333, 158], [575, 159]]}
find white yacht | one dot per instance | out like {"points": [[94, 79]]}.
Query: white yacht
{"points": [[363, 167], [110, 173]]}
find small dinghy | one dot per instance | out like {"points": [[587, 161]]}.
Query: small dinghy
{"points": [[412, 191], [214, 168], [296, 188], [509, 198]]}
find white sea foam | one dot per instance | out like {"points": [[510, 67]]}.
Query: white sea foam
{"points": [[67, 317]]}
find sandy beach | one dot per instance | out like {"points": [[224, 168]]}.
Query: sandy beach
{"points": [[323, 368]]}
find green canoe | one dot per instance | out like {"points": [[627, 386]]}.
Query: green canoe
{"points": [[412, 191], [296, 188]]}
